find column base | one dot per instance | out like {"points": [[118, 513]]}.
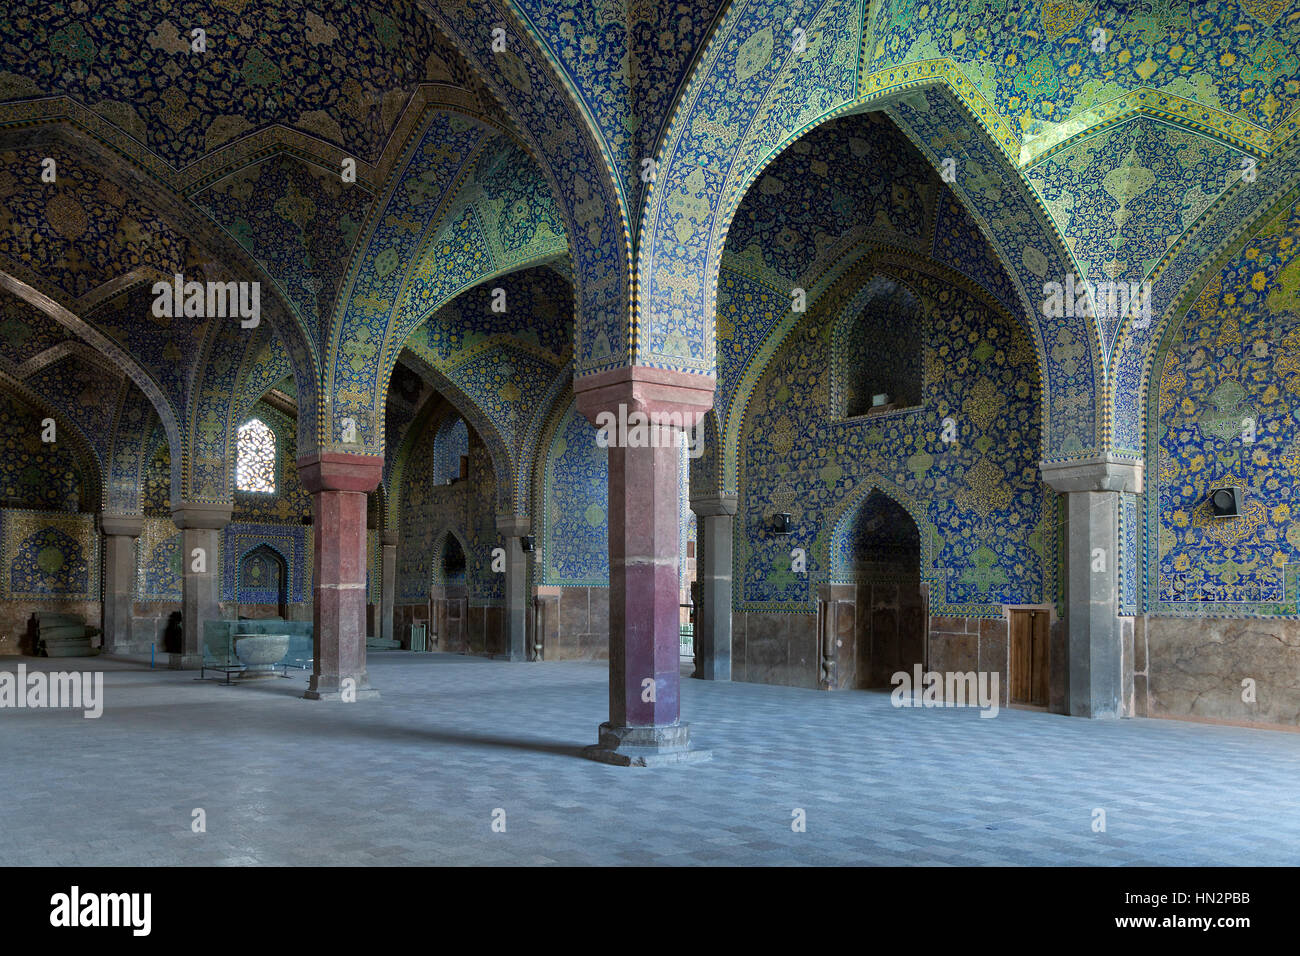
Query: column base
{"points": [[712, 670], [646, 746], [331, 688]]}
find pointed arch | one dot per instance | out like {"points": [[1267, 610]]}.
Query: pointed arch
{"points": [[464, 205], [578, 168], [84, 451], [1179, 278], [743, 108], [448, 543], [834, 545]]}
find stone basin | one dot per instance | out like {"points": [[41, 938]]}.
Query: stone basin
{"points": [[259, 653]]}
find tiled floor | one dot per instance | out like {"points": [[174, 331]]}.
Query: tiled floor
{"points": [[415, 778]]}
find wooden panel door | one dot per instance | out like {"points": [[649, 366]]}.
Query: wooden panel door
{"points": [[1029, 671]]}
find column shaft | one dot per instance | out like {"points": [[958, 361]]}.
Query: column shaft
{"points": [[120, 532], [715, 520], [200, 525], [1092, 604], [339, 483], [388, 584], [1095, 659], [515, 619], [644, 726]]}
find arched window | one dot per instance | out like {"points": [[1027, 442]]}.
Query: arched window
{"points": [[255, 458]]}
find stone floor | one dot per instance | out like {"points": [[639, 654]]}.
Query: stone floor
{"points": [[414, 778]]}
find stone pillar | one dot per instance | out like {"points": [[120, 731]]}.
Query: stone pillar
{"points": [[715, 519], [515, 622], [644, 726], [1095, 657], [120, 532], [200, 525], [339, 483], [388, 582]]}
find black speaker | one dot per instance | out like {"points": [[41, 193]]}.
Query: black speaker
{"points": [[781, 522], [528, 542], [1226, 502]]}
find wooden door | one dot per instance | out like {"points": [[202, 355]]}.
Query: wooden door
{"points": [[1029, 673]]}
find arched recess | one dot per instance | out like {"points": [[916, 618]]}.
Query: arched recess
{"points": [[195, 240], [265, 366], [875, 348], [84, 452], [1180, 277], [512, 371], [135, 423], [450, 569], [262, 579], [464, 205], [1223, 410], [196, 386], [86, 390], [143, 380], [842, 298], [583, 178], [877, 558], [746, 104], [992, 516], [498, 449], [570, 482], [838, 558]]}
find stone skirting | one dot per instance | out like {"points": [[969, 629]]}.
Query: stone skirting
{"points": [[1194, 668], [961, 644], [574, 623], [771, 647]]}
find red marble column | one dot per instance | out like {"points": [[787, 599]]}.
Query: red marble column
{"points": [[644, 726], [339, 483]]}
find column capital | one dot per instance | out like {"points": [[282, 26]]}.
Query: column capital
{"points": [[340, 471], [389, 539], [708, 506], [201, 515], [653, 391], [1100, 473], [128, 526], [514, 526]]}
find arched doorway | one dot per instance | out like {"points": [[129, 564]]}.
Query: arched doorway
{"points": [[449, 596], [262, 586], [880, 557]]}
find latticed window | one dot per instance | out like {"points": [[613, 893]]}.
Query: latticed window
{"points": [[255, 459]]}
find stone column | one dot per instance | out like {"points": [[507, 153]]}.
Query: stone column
{"points": [[1095, 659], [388, 582], [200, 524], [715, 519], [120, 532], [515, 623], [644, 726], [339, 483]]}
